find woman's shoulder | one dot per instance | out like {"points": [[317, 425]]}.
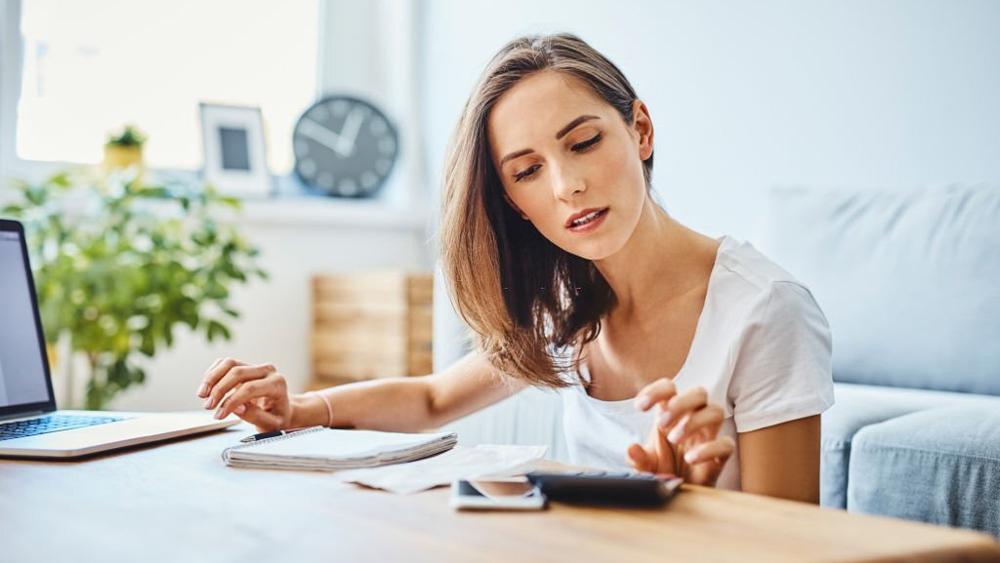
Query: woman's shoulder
{"points": [[742, 260], [780, 362], [756, 282]]}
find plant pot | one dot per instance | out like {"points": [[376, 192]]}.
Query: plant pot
{"points": [[118, 156]]}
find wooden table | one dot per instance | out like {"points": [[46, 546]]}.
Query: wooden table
{"points": [[177, 502]]}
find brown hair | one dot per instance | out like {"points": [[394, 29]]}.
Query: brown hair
{"points": [[520, 293]]}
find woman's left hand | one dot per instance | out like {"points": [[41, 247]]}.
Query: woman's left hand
{"points": [[684, 439]]}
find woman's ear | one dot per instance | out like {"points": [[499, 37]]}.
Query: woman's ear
{"points": [[642, 124], [514, 206]]}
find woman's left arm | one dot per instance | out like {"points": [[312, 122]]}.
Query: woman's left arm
{"points": [[782, 460]]}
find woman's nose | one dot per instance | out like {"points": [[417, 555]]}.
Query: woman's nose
{"points": [[568, 184]]}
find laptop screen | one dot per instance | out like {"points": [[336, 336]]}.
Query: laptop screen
{"points": [[22, 373]]}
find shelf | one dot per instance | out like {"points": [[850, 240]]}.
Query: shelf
{"points": [[305, 211]]}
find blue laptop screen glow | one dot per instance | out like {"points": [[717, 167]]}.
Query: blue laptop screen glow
{"points": [[22, 374]]}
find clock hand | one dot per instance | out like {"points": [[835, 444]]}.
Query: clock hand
{"points": [[323, 136], [349, 133]]}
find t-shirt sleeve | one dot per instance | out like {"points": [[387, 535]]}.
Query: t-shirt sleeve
{"points": [[783, 369]]}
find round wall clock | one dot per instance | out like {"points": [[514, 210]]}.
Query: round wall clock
{"points": [[344, 147]]}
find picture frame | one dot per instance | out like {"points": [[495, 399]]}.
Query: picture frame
{"points": [[234, 150]]}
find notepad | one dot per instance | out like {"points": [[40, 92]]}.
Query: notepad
{"points": [[323, 449]]}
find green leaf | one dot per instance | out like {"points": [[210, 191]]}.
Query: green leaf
{"points": [[232, 202], [148, 346], [35, 195], [215, 329], [60, 179], [154, 192]]}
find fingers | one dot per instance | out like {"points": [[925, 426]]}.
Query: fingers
{"points": [[215, 372], [232, 377], [241, 395], [680, 405], [640, 460], [205, 387], [661, 390], [681, 416], [271, 384], [663, 452], [655, 456], [706, 420], [263, 420], [716, 451]]}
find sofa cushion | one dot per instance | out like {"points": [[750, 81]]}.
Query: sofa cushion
{"points": [[858, 406], [939, 465], [908, 280]]}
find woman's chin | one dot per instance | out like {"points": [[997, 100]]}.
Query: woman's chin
{"points": [[595, 250], [594, 246]]}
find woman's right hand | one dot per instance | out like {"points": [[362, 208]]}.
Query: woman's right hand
{"points": [[257, 394]]}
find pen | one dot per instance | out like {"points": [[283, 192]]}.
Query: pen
{"points": [[263, 435]]}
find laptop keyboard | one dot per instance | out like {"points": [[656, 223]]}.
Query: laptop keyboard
{"points": [[52, 423]]}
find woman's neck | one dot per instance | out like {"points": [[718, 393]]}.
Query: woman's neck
{"points": [[662, 260]]}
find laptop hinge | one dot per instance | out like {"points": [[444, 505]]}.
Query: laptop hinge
{"points": [[28, 414]]}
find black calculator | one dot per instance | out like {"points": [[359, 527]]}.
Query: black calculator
{"points": [[606, 487]]}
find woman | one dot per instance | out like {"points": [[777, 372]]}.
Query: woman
{"points": [[676, 352]]}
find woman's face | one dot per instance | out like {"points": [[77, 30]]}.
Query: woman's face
{"points": [[569, 163]]}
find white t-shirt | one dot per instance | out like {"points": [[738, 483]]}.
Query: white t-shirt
{"points": [[761, 349]]}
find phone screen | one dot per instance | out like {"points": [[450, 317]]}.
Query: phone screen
{"points": [[500, 489], [497, 494]]}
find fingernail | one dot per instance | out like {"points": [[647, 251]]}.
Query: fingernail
{"points": [[208, 403], [240, 409], [218, 413], [642, 403], [690, 457], [676, 434], [202, 389], [664, 419]]}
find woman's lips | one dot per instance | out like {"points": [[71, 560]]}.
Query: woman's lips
{"points": [[592, 224]]}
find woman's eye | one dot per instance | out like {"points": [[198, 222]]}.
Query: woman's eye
{"points": [[531, 170], [579, 147], [587, 144]]}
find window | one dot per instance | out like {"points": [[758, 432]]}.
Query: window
{"points": [[91, 67]]}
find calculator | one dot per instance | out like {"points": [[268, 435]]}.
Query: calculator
{"points": [[606, 487]]}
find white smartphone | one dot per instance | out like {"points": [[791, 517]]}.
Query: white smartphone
{"points": [[514, 493]]}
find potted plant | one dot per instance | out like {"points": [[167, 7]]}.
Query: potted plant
{"points": [[124, 149], [120, 265]]}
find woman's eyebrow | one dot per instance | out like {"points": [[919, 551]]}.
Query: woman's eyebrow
{"points": [[559, 135], [569, 126]]}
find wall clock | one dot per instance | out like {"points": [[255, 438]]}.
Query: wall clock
{"points": [[344, 146]]}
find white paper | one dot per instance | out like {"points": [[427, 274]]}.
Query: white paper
{"points": [[459, 463]]}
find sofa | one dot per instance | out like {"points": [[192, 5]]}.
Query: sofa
{"points": [[910, 284]]}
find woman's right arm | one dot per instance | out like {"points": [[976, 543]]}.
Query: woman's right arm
{"points": [[258, 395]]}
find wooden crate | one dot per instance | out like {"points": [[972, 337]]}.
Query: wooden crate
{"points": [[371, 325]]}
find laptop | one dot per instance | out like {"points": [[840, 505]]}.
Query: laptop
{"points": [[30, 424]]}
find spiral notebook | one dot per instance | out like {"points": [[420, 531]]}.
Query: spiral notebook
{"points": [[323, 449]]}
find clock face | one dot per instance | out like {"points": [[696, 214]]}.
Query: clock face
{"points": [[344, 147]]}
